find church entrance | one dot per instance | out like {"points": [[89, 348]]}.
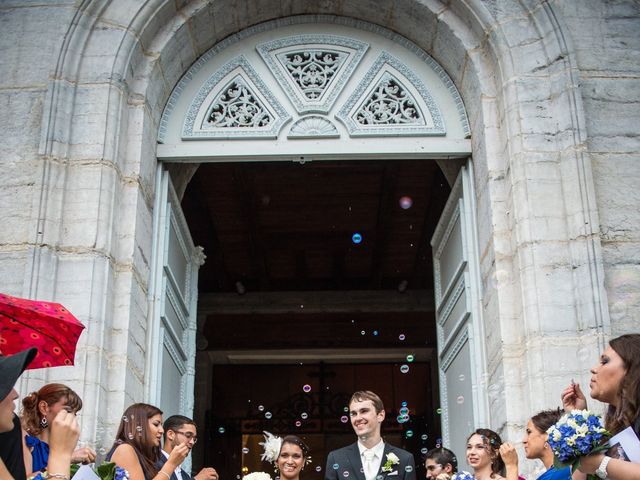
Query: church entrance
{"points": [[318, 282]]}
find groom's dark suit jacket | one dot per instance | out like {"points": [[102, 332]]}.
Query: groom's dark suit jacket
{"points": [[348, 459], [162, 460]]}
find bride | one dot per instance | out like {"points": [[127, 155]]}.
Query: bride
{"points": [[289, 455]]}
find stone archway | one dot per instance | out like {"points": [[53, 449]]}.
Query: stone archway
{"points": [[115, 73]]}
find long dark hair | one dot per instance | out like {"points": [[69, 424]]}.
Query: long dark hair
{"points": [[295, 440], [628, 411], [134, 431], [492, 441]]}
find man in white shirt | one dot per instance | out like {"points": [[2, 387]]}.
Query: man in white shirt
{"points": [[179, 429], [370, 458]]}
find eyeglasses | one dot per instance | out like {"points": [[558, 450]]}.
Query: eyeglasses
{"points": [[188, 435]]}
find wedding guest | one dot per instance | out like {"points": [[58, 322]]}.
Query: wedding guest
{"points": [[38, 410], [483, 455], [536, 446], [64, 426], [440, 463], [369, 454], [615, 380], [137, 445], [180, 429]]}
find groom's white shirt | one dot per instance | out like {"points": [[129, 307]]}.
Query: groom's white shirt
{"points": [[378, 451]]}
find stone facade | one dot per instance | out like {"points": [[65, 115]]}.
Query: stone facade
{"points": [[552, 92]]}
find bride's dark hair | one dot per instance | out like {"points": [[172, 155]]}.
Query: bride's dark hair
{"points": [[628, 411], [295, 440]]}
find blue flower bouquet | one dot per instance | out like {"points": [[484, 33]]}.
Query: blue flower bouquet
{"points": [[576, 435], [106, 471]]}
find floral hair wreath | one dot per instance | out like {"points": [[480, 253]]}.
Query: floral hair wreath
{"points": [[272, 445]]}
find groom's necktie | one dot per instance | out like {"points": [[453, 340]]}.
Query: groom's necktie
{"points": [[368, 455]]}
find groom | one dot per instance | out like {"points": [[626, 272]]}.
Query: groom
{"points": [[369, 458]]}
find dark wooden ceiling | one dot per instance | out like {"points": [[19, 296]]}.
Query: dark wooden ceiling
{"points": [[287, 226]]}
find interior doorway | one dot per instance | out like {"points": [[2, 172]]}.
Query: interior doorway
{"points": [[318, 277]]}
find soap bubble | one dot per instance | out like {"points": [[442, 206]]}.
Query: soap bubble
{"points": [[345, 474], [401, 337], [363, 332], [409, 358], [409, 433], [318, 468], [356, 238], [336, 466], [408, 469], [221, 430], [261, 408], [460, 400], [245, 450], [461, 377], [304, 416], [405, 202], [439, 411], [268, 415], [404, 369], [306, 388], [375, 333], [404, 404], [298, 423], [424, 451], [424, 437], [344, 419]]}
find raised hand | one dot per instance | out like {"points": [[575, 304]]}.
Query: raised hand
{"points": [[207, 473], [178, 454], [573, 398], [83, 455]]}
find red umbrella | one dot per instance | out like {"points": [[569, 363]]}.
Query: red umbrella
{"points": [[48, 326]]}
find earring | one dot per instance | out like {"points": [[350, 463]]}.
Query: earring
{"points": [[43, 423], [546, 444]]}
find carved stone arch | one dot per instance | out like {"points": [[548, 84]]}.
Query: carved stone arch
{"points": [[124, 84]]}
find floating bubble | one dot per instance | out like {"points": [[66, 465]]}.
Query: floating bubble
{"points": [[336, 466], [439, 440], [406, 202], [306, 388], [356, 238], [424, 437], [318, 468], [404, 369], [130, 435], [245, 450], [379, 477], [221, 430], [245, 470], [401, 337], [304, 415], [102, 451], [439, 411], [404, 411], [408, 469], [345, 474], [409, 433], [403, 418], [261, 408], [404, 404], [461, 377], [267, 415], [363, 332], [346, 409], [423, 451], [139, 428], [375, 333], [125, 419], [409, 358], [344, 419], [298, 423], [460, 400]]}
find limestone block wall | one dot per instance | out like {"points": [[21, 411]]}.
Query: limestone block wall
{"points": [[606, 37]]}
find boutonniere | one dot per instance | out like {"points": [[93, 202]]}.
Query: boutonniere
{"points": [[392, 460]]}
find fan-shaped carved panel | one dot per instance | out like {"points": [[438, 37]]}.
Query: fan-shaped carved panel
{"points": [[313, 126], [312, 69], [234, 103], [391, 100]]}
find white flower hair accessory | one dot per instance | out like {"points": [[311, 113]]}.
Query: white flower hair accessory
{"points": [[257, 476], [272, 446]]}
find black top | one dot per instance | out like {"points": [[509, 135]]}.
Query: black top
{"points": [[11, 450]]}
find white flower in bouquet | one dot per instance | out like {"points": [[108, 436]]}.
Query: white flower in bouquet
{"points": [[257, 476]]}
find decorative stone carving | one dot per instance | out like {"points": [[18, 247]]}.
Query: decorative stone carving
{"points": [[390, 103], [391, 100], [313, 126], [312, 69], [234, 103]]}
